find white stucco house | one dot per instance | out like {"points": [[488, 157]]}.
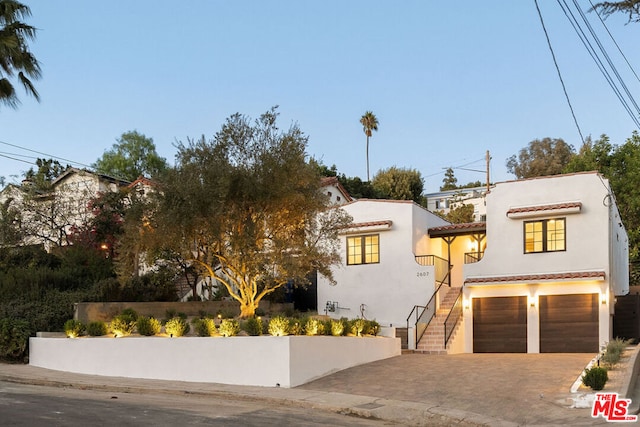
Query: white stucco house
{"points": [[390, 263], [444, 201], [540, 275]]}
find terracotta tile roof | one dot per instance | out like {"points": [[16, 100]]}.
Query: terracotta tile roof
{"points": [[572, 275], [542, 208], [370, 224], [465, 226]]}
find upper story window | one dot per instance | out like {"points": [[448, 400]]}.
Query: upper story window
{"points": [[363, 249], [547, 235]]}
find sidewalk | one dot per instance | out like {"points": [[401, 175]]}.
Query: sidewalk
{"points": [[412, 389]]}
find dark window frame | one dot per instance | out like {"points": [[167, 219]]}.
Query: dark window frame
{"points": [[545, 240], [363, 249]]}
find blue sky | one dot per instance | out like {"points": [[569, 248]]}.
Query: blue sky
{"points": [[446, 82]]}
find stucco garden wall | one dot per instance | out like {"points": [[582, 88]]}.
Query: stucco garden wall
{"points": [[258, 361]]}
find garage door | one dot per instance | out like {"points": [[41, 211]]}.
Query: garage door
{"points": [[569, 323], [500, 325]]}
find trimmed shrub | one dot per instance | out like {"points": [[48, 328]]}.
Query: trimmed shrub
{"points": [[338, 327], [357, 327], [148, 326], [314, 326], [372, 328], [252, 326], [123, 324], [176, 327], [278, 326], [205, 327], [73, 328], [614, 350], [229, 327], [96, 329], [14, 339], [595, 378], [296, 326], [130, 313]]}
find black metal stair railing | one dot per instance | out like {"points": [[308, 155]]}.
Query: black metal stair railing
{"points": [[453, 318]]}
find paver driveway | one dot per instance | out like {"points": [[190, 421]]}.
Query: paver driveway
{"points": [[529, 389]]}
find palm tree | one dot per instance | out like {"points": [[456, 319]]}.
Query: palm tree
{"points": [[15, 58], [369, 123]]}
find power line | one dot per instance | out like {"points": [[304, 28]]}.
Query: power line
{"points": [[614, 41], [13, 158], [611, 64], [43, 154], [555, 62], [597, 59]]}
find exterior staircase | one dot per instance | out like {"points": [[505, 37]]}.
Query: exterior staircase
{"points": [[432, 341]]}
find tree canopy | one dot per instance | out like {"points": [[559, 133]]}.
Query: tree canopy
{"points": [[548, 156], [399, 184], [449, 182], [246, 208], [16, 61], [133, 156], [47, 171], [630, 7], [620, 164]]}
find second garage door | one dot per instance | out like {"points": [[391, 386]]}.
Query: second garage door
{"points": [[569, 323], [500, 325]]}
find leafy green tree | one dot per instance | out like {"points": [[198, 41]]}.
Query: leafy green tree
{"points": [[10, 218], [548, 156], [246, 209], [399, 184], [592, 156], [47, 172], [16, 61], [620, 164], [450, 182], [132, 157], [630, 7], [369, 123], [460, 214]]}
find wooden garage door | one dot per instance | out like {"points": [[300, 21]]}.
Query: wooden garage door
{"points": [[569, 323], [500, 325]]}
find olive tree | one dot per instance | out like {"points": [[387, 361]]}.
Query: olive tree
{"points": [[246, 209]]}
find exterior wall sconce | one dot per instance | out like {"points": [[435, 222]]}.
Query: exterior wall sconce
{"points": [[465, 304], [603, 298], [533, 301]]}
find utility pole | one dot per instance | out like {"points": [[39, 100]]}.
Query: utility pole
{"points": [[488, 158]]}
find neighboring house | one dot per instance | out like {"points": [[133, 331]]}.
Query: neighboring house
{"points": [[337, 194], [444, 201], [541, 275], [48, 217]]}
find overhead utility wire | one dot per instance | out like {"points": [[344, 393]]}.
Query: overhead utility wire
{"points": [[614, 41], [592, 52], [558, 70], [607, 57], [13, 158], [596, 58], [45, 154]]}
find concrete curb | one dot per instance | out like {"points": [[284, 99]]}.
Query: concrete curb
{"points": [[405, 413], [629, 383]]}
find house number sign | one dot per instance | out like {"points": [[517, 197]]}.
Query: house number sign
{"points": [[422, 274]]}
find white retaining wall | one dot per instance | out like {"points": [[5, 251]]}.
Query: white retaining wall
{"points": [[258, 361]]}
